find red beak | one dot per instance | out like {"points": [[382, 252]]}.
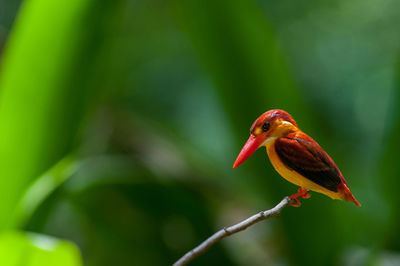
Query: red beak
{"points": [[249, 148]]}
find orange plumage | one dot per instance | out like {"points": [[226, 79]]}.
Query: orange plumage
{"points": [[295, 156]]}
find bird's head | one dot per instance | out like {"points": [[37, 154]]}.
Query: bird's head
{"points": [[267, 128]]}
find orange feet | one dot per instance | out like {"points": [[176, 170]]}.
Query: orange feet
{"points": [[303, 193]]}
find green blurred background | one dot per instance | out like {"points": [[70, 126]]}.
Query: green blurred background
{"points": [[120, 121]]}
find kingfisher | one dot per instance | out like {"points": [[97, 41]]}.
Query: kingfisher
{"points": [[296, 157]]}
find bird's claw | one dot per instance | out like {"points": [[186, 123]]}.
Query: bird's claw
{"points": [[303, 193], [296, 203]]}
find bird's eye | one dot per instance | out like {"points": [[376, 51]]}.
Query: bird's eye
{"points": [[265, 127]]}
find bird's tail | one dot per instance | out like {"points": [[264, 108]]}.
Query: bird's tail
{"points": [[345, 192]]}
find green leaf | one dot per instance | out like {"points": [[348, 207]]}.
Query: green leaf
{"points": [[28, 249], [43, 91], [39, 190]]}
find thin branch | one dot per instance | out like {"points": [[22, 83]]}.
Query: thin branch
{"points": [[227, 231]]}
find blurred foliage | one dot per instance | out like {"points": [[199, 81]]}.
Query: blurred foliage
{"points": [[120, 122], [17, 248]]}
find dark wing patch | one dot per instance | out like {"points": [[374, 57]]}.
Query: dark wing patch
{"points": [[308, 159]]}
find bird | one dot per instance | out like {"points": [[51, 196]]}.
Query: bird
{"points": [[296, 157]]}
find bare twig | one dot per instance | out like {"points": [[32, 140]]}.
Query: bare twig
{"points": [[227, 231]]}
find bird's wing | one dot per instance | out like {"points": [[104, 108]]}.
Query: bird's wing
{"points": [[303, 155]]}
